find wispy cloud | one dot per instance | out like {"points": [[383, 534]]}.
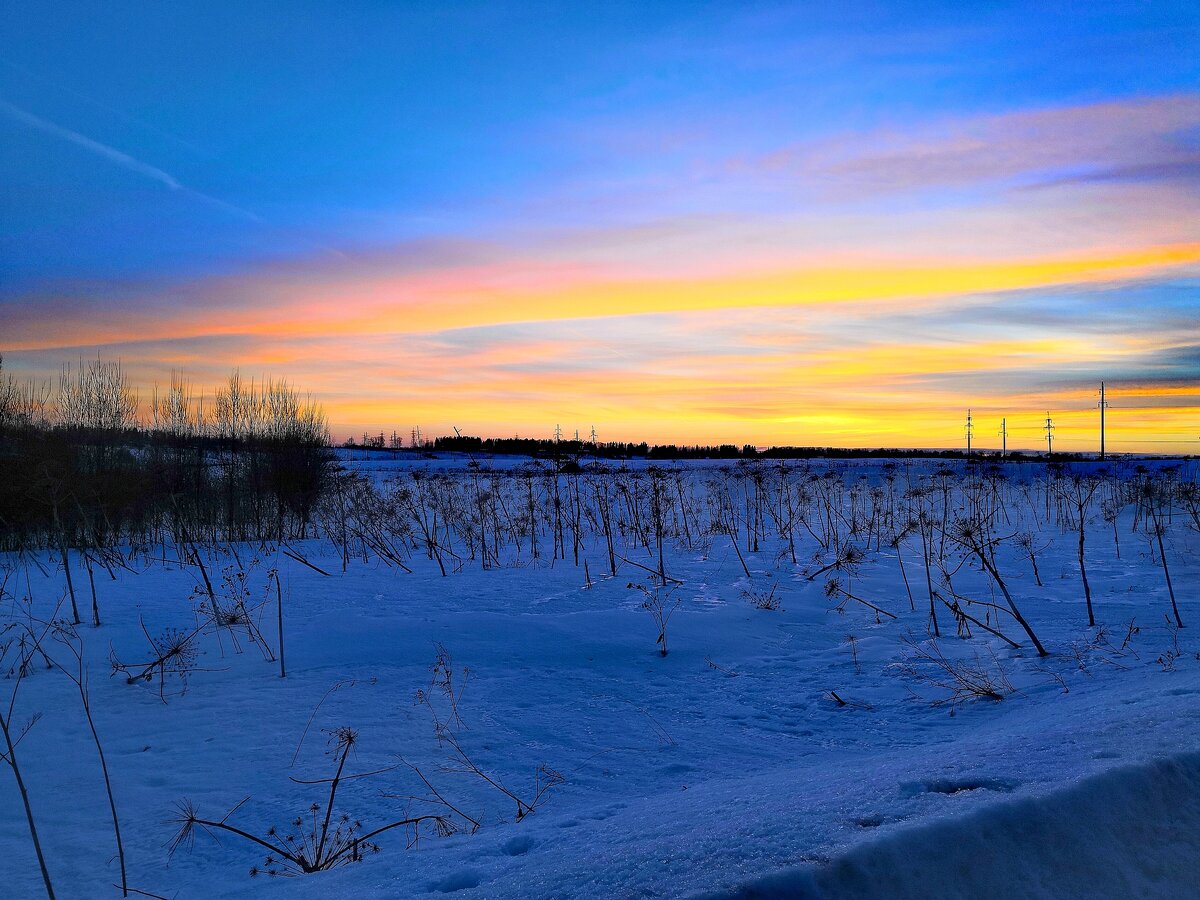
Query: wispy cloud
{"points": [[119, 158], [1141, 139], [139, 123]]}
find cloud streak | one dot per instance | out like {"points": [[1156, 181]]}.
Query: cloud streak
{"points": [[1142, 139], [494, 294], [119, 158]]}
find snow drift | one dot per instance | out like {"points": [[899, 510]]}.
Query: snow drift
{"points": [[1129, 832]]}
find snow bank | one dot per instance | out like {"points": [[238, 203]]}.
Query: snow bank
{"points": [[1128, 832]]}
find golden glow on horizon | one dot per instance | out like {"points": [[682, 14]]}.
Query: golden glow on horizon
{"points": [[697, 384], [418, 305], [864, 403], [1157, 430]]}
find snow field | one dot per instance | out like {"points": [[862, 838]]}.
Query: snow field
{"points": [[723, 769]]}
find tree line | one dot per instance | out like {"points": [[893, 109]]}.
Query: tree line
{"points": [[87, 463], [550, 448]]}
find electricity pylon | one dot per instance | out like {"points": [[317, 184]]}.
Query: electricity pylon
{"points": [[1103, 406]]}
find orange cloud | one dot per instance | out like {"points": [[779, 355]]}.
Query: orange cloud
{"points": [[473, 298]]}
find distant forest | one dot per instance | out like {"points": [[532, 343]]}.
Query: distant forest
{"points": [[555, 449]]}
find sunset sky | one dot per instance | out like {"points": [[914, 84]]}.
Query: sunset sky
{"points": [[774, 223]]}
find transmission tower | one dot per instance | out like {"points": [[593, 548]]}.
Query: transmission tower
{"points": [[1049, 429], [970, 428], [557, 433], [1003, 438], [593, 435], [1103, 406]]}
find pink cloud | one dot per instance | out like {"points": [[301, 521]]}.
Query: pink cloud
{"points": [[1145, 135]]}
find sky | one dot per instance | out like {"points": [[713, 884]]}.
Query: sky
{"points": [[768, 223]]}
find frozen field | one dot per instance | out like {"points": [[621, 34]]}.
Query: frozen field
{"points": [[821, 748]]}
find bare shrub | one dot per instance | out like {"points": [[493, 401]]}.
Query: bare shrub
{"points": [[544, 778], [847, 560], [446, 724], [852, 643], [834, 588], [979, 679], [661, 603], [975, 538], [442, 684], [1171, 655], [232, 609], [768, 600], [315, 840], [171, 656]]}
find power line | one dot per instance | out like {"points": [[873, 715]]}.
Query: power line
{"points": [[1103, 405]]}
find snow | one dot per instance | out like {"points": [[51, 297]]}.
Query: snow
{"points": [[721, 770], [1131, 831]]}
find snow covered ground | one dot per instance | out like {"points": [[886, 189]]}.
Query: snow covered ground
{"points": [[725, 769]]}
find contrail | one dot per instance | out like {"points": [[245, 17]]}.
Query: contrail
{"points": [[116, 156], [112, 111]]}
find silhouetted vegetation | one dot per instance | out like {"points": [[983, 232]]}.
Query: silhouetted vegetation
{"points": [[86, 464], [555, 449]]}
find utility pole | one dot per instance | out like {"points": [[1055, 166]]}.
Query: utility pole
{"points": [[1103, 406], [1003, 439], [1049, 429], [969, 429]]}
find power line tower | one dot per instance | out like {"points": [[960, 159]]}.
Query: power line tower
{"points": [[1103, 406], [1003, 439], [970, 428], [557, 433], [577, 435], [1049, 429], [593, 435]]}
